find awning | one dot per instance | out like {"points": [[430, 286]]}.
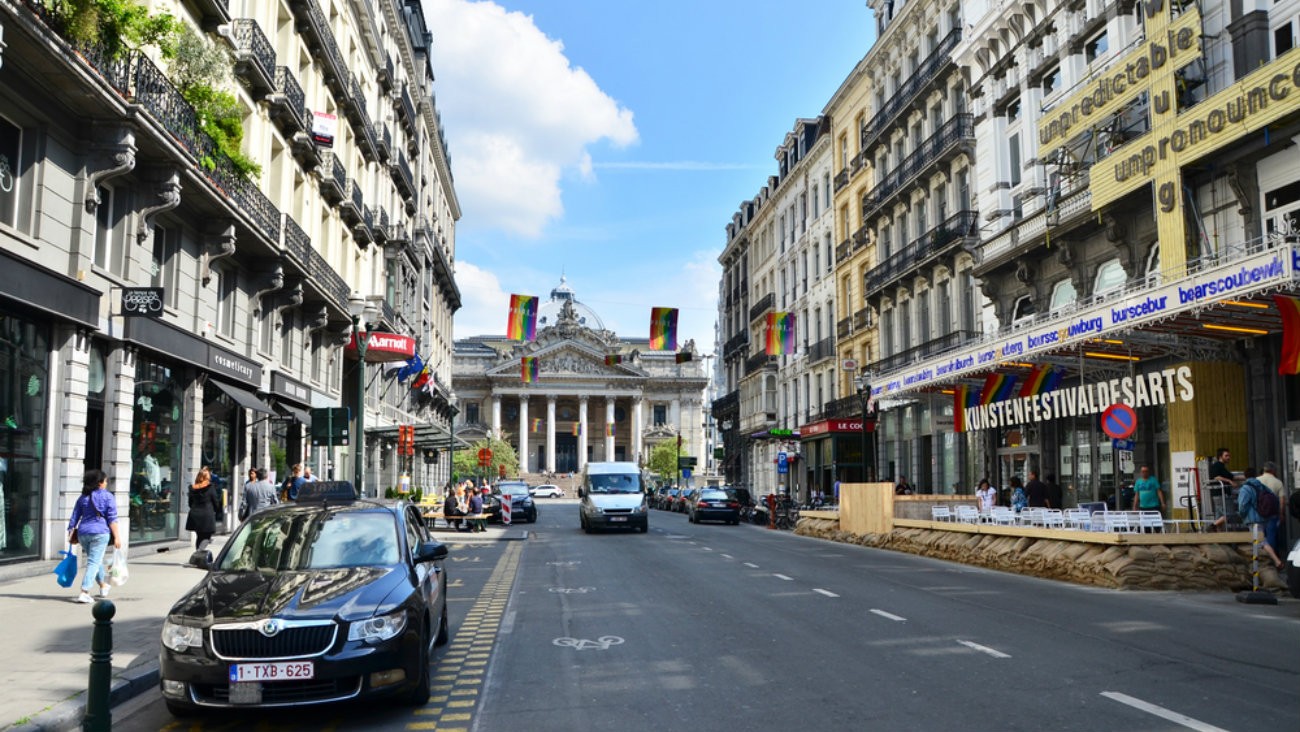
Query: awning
{"points": [[243, 397], [298, 413]]}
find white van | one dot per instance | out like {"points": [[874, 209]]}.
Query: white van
{"points": [[613, 497]]}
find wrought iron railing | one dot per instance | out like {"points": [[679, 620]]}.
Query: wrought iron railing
{"points": [[317, 28], [821, 350], [402, 175], [728, 403], [380, 224], [326, 279], [251, 44], [763, 305], [735, 344], [352, 201], [848, 406], [759, 361], [247, 199], [407, 108], [843, 250], [960, 128], [296, 241], [841, 179], [861, 319], [291, 96], [929, 348], [160, 98], [844, 328], [333, 177], [961, 225], [916, 83]]}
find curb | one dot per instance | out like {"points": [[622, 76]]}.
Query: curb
{"points": [[66, 716]]}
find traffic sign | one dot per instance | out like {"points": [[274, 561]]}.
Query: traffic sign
{"points": [[1119, 421], [1122, 445], [782, 462], [484, 456]]}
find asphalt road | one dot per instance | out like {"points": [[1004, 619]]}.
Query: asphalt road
{"points": [[718, 627]]}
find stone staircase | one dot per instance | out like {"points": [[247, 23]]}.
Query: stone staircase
{"points": [[568, 483]]}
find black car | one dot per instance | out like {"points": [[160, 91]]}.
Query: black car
{"points": [[713, 504], [523, 509], [322, 600]]}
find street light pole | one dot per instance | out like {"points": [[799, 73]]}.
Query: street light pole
{"points": [[864, 397], [357, 308]]}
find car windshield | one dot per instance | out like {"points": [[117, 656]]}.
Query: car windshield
{"points": [[615, 483], [278, 541], [714, 495]]}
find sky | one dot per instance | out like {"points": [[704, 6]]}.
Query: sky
{"points": [[610, 142]]}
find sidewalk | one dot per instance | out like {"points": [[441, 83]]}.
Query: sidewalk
{"points": [[46, 638]]}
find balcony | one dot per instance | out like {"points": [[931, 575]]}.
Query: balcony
{"points": [[820, 351], [943, 343], [364, 231], [861, 319], [843, 408], [726, 406], [212, 13], [735, 344], [844, 328], [843, 250], [333, 178], [296, 241], [860, 239], [314, 28], [405, 109], [962, 227], [247, 200], [386, 76], [350, 208], [400, 171], [364, 131], [956, 136], [911, 90], [379, 231], [841, 179], [760, 361], [399, 233], [254, 57], [388, 315], [287, 103], [164, 103], [383, 144], [764, 305]]}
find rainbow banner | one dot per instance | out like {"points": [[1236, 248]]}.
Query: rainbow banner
{"points": [[963, 398], [522, 325], [684, 357], [577, 429], [780, 334], [609, 430], [613, 360], [528, 369], [663, 329], [997, 387], [537, 424], [1288, 363]]}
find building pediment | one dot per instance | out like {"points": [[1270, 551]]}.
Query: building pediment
{"points": [[560, 360]]}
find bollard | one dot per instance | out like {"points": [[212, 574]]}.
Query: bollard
{"points": [[99, 717]]}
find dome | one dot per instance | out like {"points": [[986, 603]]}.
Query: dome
{"points": [[549, 311]]}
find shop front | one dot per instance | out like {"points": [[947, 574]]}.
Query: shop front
{"points": [[833, 451], [292, 400]]}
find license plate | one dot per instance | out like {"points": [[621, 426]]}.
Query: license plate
{"points": [[618, 518], [278, 671]]}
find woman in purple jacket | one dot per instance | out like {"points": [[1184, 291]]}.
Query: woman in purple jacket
{"points": [[94, 516]]}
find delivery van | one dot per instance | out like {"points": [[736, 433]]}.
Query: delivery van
{"points": [[613, 496]]}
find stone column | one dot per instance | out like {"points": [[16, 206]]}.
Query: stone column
{"points": [[638, 405], [550, 433], [523, 434], [496, 415], [609, 428], [68, 382], [582, 432]]}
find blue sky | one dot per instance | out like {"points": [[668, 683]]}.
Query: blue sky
{"points": [[611, 141]]}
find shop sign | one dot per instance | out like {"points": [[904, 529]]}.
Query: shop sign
{"points": [[835, 425], [1157, 387], [1239, 278], [228, 364], [849, 364], [284, 386], [384, 347], [142, 302]]}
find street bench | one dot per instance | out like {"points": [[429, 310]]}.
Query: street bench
{"points": [[432, 517]]}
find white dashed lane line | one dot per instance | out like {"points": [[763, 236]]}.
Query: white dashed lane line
{"points": [[751, 565], [891, 616], [984, 649], [726, 556], [827, 593], [781, 576], [1161, 712]]}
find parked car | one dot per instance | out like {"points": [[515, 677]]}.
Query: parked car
{"points": [[522, 508], [546, 491], [664, 499], [682, 500], [321, 600], [713, 504]]}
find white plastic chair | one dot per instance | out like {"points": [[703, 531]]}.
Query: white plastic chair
{"points": [[940, 513], [1053, 518], [1122, 522], [968, 514], [1002, 515], [1151, 520], [1075, 518], [1031, 516]]}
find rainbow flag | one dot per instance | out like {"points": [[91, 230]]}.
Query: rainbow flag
{"points": [[1288, 363], [1037, 381], [609, 430], [663, 329], [522, 325], [963, 398], [997, 387], [780, 334], [537, 424], [528, 369], [577, 429], [613, 360]]}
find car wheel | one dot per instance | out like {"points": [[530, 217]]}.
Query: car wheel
{"points": [[643, 529], [183, 711], [419, 694], [444, 629]]}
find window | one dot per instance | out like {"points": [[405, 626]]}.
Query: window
{"points": [[1051, 81], [940, 203], [923, 317], [1012, 112], [471, 413], [817, 262], [290, 355], [110, 229], [830, 254], [11, 138], [165, 262], [904, 325], [885, 241], [887, 331], [1110, 275], [1013, 155], [317, 348], [1095, 47], [1024, 309], [267, 325], [1283, 38], [660, 415], [1063, 294], [971, 299], [945, 306], [226, 287], [826, 191]]}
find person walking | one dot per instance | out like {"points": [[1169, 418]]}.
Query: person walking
{"points": [[1271, 522], [1036, 492], [1147, 495], [257, 495], [205, 508], [292, 484], [1248, 509], [987, 497], [94, 520]]}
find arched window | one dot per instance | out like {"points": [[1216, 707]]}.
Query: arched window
{"points": [[1153, 263], [1063, 294], [1110, 275], [1024, 309]]}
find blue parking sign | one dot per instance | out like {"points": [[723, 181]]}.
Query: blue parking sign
{"points": [[782, 462]]}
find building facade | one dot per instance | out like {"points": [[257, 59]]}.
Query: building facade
{"points": [[598, 397], [110, 181]]}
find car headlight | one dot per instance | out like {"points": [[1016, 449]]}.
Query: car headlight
{"points": [[179, 637], [640, 509], [378, 628]]}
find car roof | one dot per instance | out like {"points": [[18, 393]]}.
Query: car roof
{"points": [[612, 468]]}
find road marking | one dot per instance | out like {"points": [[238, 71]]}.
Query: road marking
{"points": [[705, 548], [726, 556], [827, 593], [781, 576], [751, 565], [602, 643], [984, 649], [891, 616], [1161, 712]]}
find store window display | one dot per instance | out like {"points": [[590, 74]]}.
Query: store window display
{"points": [[156, 452], [24, 385]]}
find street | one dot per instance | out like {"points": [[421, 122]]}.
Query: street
{"points": [[715, 627]]}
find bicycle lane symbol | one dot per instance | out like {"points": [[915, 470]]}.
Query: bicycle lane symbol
{"points": [[603, 643]]}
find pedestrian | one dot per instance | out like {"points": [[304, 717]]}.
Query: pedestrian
{"points": [[1147, 495], [476, 509], [205, 508], [1248, 509], [257, 495], [1018, 498], [94, 520], [292, 484], [1054, 497], [252, 477], [1036, 492], [307, 476], [454, 507], [1274, 519], [987, 497], [903, 488]]}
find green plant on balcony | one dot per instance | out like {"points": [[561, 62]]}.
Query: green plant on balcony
{"points": [[117, 26], [200, 70]]}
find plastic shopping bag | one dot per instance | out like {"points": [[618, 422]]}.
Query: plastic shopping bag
{"points": [[118, 574], [66, 571]]}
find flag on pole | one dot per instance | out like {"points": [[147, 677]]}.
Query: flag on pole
{"points": [[963, 398], [413, 366], [1036, 383], [577, 429], [528, 369], [1289, 362], [537, 424], [780, 334], [663, 329], [421, 378], [684, 356], [522, 325], [609, 430], [613, 360]]}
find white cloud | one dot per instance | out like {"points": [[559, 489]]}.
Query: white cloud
{"points": [[518, 115], [484, 305]]}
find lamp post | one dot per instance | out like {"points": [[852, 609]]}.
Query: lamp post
{"points": [[358, 308], [864, 397]]}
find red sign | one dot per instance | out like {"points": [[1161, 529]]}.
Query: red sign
{"points": [[1119, 421], [835, 425], [484, 456], [384, 347]]}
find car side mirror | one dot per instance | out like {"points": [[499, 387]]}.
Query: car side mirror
{"points": [[431, 551], [582, 492]]}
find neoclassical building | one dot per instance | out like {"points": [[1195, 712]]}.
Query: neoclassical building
{"points": [[583, 406]]}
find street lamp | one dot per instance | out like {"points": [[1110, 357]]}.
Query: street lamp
{"points": [[864, 397], [360, 310]]}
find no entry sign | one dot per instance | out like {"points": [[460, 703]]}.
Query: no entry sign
{"points": [[1119, 421]]}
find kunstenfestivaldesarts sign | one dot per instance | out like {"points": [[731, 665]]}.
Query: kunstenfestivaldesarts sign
{"points": [[1157, 387], [1236, 278]]}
